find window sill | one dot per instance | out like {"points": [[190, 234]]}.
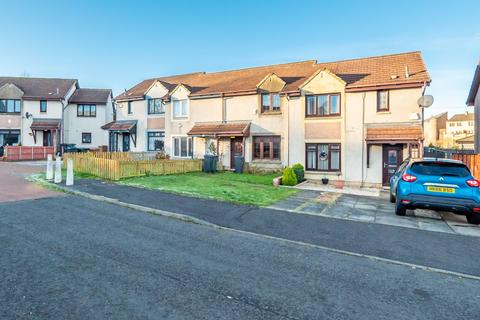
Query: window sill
{"points": [[11, 113], [156, 114], [323, 117], [179, 118], [320, 172], [264, 161], [271, 113], [384, 112]]}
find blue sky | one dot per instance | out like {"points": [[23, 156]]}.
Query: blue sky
{"points": [[115, 44]]}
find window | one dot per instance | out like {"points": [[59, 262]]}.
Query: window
{"points": [[270, 102], [86, 137], [9, 106], [470, 123], [156, 141], [382, 101], [129, 107], [43, 105], [182, 147], [323, 157], [266, 148], [459, 124], [155, 106], [86, 110], [323, 105], [180, 109]]}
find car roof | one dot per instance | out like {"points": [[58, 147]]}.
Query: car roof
{"points": [[428, 159]]}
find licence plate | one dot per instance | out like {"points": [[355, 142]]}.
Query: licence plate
{"points": [[440, 189]]}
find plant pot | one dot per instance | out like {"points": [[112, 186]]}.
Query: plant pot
{"points": [[325, 180], [339, 184]]}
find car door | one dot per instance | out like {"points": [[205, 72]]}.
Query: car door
{"points": [[397, 176]]}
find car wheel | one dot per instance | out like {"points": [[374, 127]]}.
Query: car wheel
{"points": [[473, 218], [400, 209], [392, 197]]}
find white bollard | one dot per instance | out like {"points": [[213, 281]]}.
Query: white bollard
{"points": [[49, 175], [69, 181], [58, 170]]}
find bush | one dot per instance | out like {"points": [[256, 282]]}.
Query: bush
{"points": [[289, 178], [299, 172]]}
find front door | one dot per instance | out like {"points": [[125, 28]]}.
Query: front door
{"points": [[126, 142], [392, 158], [47, 138], [236, 149]]}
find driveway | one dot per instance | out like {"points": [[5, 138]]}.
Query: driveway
{"points": [[374, 210], [14, 186]]}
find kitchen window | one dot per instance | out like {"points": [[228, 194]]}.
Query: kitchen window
{"points": [[9, 106], [323, 105], [156, 141], [86, 137], [86, 110], [323, 157], [155, 106], [383, 100], [43, 105], [270, 102], [266, 148], [182, 147], [180, 109]]}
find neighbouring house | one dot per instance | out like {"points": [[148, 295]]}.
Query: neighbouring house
{"points": [[352, 120], [46, 112], [473, 100], [466, 143], [459, 126], [434, 130]]}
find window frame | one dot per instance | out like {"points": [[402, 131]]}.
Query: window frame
{"points": [[330, 149], [187, 108], [83, 114], [16, 103], [329, 105], [129, 107], [271, 108], [271, 142], [189, 147], [155, 134], [86, 134], [387, 109], [153, 101], [43, 103]]}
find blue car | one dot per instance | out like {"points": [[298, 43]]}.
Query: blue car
{"points": [[437, 184]]}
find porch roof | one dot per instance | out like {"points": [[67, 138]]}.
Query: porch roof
{"points": [[45, 124], [399, 134], [120, 125], [221, 129]]}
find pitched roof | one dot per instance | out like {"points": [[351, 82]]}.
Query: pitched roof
{"points": [[97, 96], [45, 124], [394, 133], [474, 87], [467, 139], [41, 88], [225, 129], [388, 70], [468, 116]]}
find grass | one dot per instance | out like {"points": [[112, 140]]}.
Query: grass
{"points": [[237, 188]]}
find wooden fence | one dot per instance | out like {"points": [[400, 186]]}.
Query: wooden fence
{"points": [[472, 161], [20, 153], [116, 167]]}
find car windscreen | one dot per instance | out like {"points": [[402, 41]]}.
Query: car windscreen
{"points": [[440, 169]]}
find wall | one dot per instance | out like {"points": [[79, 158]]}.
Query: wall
{"points": [[54, 111]]}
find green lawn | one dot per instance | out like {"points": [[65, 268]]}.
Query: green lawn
{"points": [[238, 188]]}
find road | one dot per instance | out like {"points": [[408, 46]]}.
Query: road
{"points": [[71, 258]]}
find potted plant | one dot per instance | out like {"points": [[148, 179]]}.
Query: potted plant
{"points": [[325, 180]]}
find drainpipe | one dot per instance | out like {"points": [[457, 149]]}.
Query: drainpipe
{"points": [[363, 136], [288, 130]]}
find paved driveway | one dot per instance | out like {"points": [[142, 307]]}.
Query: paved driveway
{"points": [[374, 210], [14, 187]]}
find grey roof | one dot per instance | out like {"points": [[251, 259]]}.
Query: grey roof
{"points": [[96, 96], [41, 88]]}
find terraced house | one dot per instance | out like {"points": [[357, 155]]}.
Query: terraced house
{"points": [[353, 121], [46, 112]]}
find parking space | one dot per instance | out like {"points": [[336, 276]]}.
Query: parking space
{"points": [[374, 210]]}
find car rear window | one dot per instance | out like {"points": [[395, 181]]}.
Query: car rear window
{"points": [[440, 169]]}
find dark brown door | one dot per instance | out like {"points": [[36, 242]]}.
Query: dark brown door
{"points": [[47, 138], [392, 158], [236, 149]]}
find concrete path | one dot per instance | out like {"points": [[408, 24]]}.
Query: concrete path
{"points": [[433, 249], [81, 259], [14, 186]]}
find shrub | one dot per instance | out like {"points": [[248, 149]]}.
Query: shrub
{"points": [[299, 172], [289, 178]]}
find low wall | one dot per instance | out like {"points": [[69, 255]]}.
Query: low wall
{"points": [[20, 153]]}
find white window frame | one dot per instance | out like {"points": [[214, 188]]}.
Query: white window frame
{"points": [[187, 106], [189, 144]]}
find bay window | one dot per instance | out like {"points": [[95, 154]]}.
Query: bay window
{"points": [[182, 147], [323, 105], [266, 148], [323, 157]]}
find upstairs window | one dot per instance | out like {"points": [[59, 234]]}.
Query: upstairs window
{"points": [[323, 105], [382, 100], [129, 107], [270, 102], [10, 106], [86, 110], [180, 109], [43, 105], [155, 106]]}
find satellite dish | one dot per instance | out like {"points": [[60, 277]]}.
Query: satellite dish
{"points": [[425, 101]]}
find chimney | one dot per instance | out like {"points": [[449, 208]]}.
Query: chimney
{"points": [[58, 91], [407, 75]]}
